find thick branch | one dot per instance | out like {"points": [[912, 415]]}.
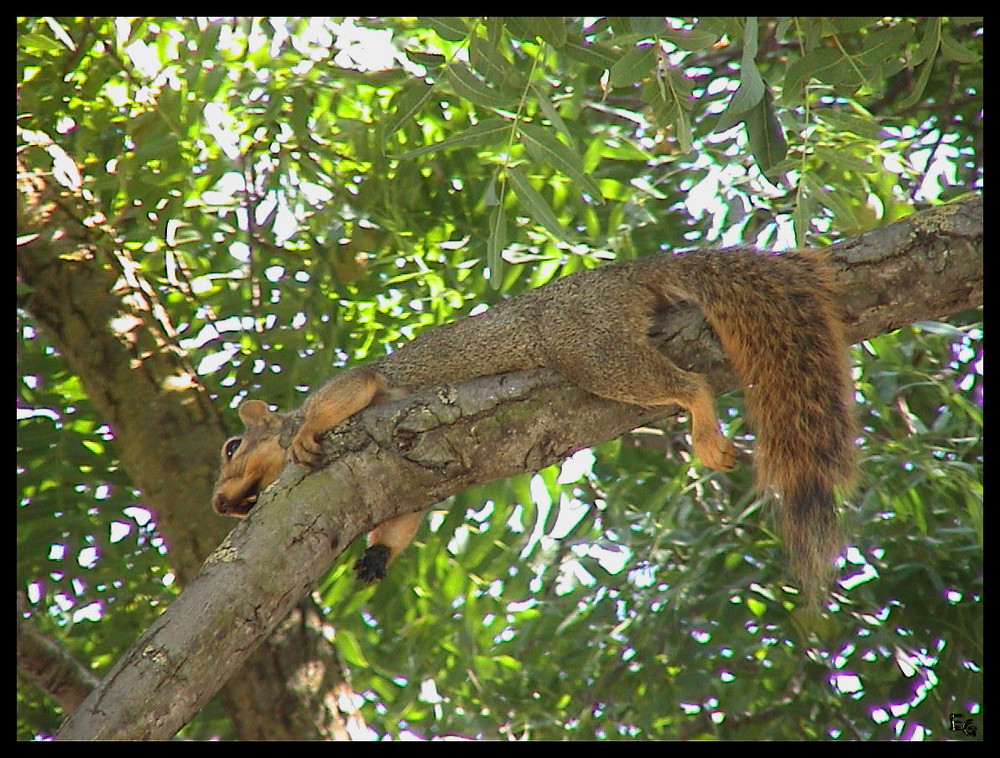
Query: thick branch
{"points": [[75, 283], [406, 456], [924, 266], [47, 663]]}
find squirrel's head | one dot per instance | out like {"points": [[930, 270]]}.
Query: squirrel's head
{"points": [[249, 462]]}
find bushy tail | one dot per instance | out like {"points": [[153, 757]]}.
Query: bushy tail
{"points": [[779, 322]]}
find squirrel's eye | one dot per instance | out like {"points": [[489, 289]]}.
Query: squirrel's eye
{"points": [[230, 448]]}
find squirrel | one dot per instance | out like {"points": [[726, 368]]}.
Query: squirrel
{"points": [[776, 317]]}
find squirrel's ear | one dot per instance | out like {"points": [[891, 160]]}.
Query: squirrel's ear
{"points": [[256, 413]]}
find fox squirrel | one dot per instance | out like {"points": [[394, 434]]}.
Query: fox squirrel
{"points": [[775, 316]]}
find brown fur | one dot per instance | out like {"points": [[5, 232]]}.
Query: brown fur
{"points": [[775, 315]]}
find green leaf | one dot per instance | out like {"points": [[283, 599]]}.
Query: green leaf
{"points": [[637, 64], [766, 137], [535, 204], [747, 99], [40, 42], [954, 50], [552, 29], [347, 645], [496, 243], [929, 42], [466, 84], [818, 64], [486, 58], [490, 131], [409, 103], [847, 161], [884, 45], [549, 111], [544, 147], [590, 53], [689, 39], [862, 125], [451, 28], [831, 200]]}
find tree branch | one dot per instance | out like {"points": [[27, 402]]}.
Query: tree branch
{"points": [[406, 456], [46, 662], [74, 280]]}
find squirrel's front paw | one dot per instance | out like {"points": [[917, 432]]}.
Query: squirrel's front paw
{"points": [[305, 448]]}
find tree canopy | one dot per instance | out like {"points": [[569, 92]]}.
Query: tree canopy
{"points": [[216, 209]]}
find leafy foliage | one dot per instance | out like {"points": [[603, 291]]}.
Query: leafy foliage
{"points": [[296, 203]]}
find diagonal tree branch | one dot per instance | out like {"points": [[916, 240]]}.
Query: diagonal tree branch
{"points": [[47, 663]]}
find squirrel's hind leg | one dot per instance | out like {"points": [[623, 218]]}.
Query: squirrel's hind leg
{"points": [[639, 374]]}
